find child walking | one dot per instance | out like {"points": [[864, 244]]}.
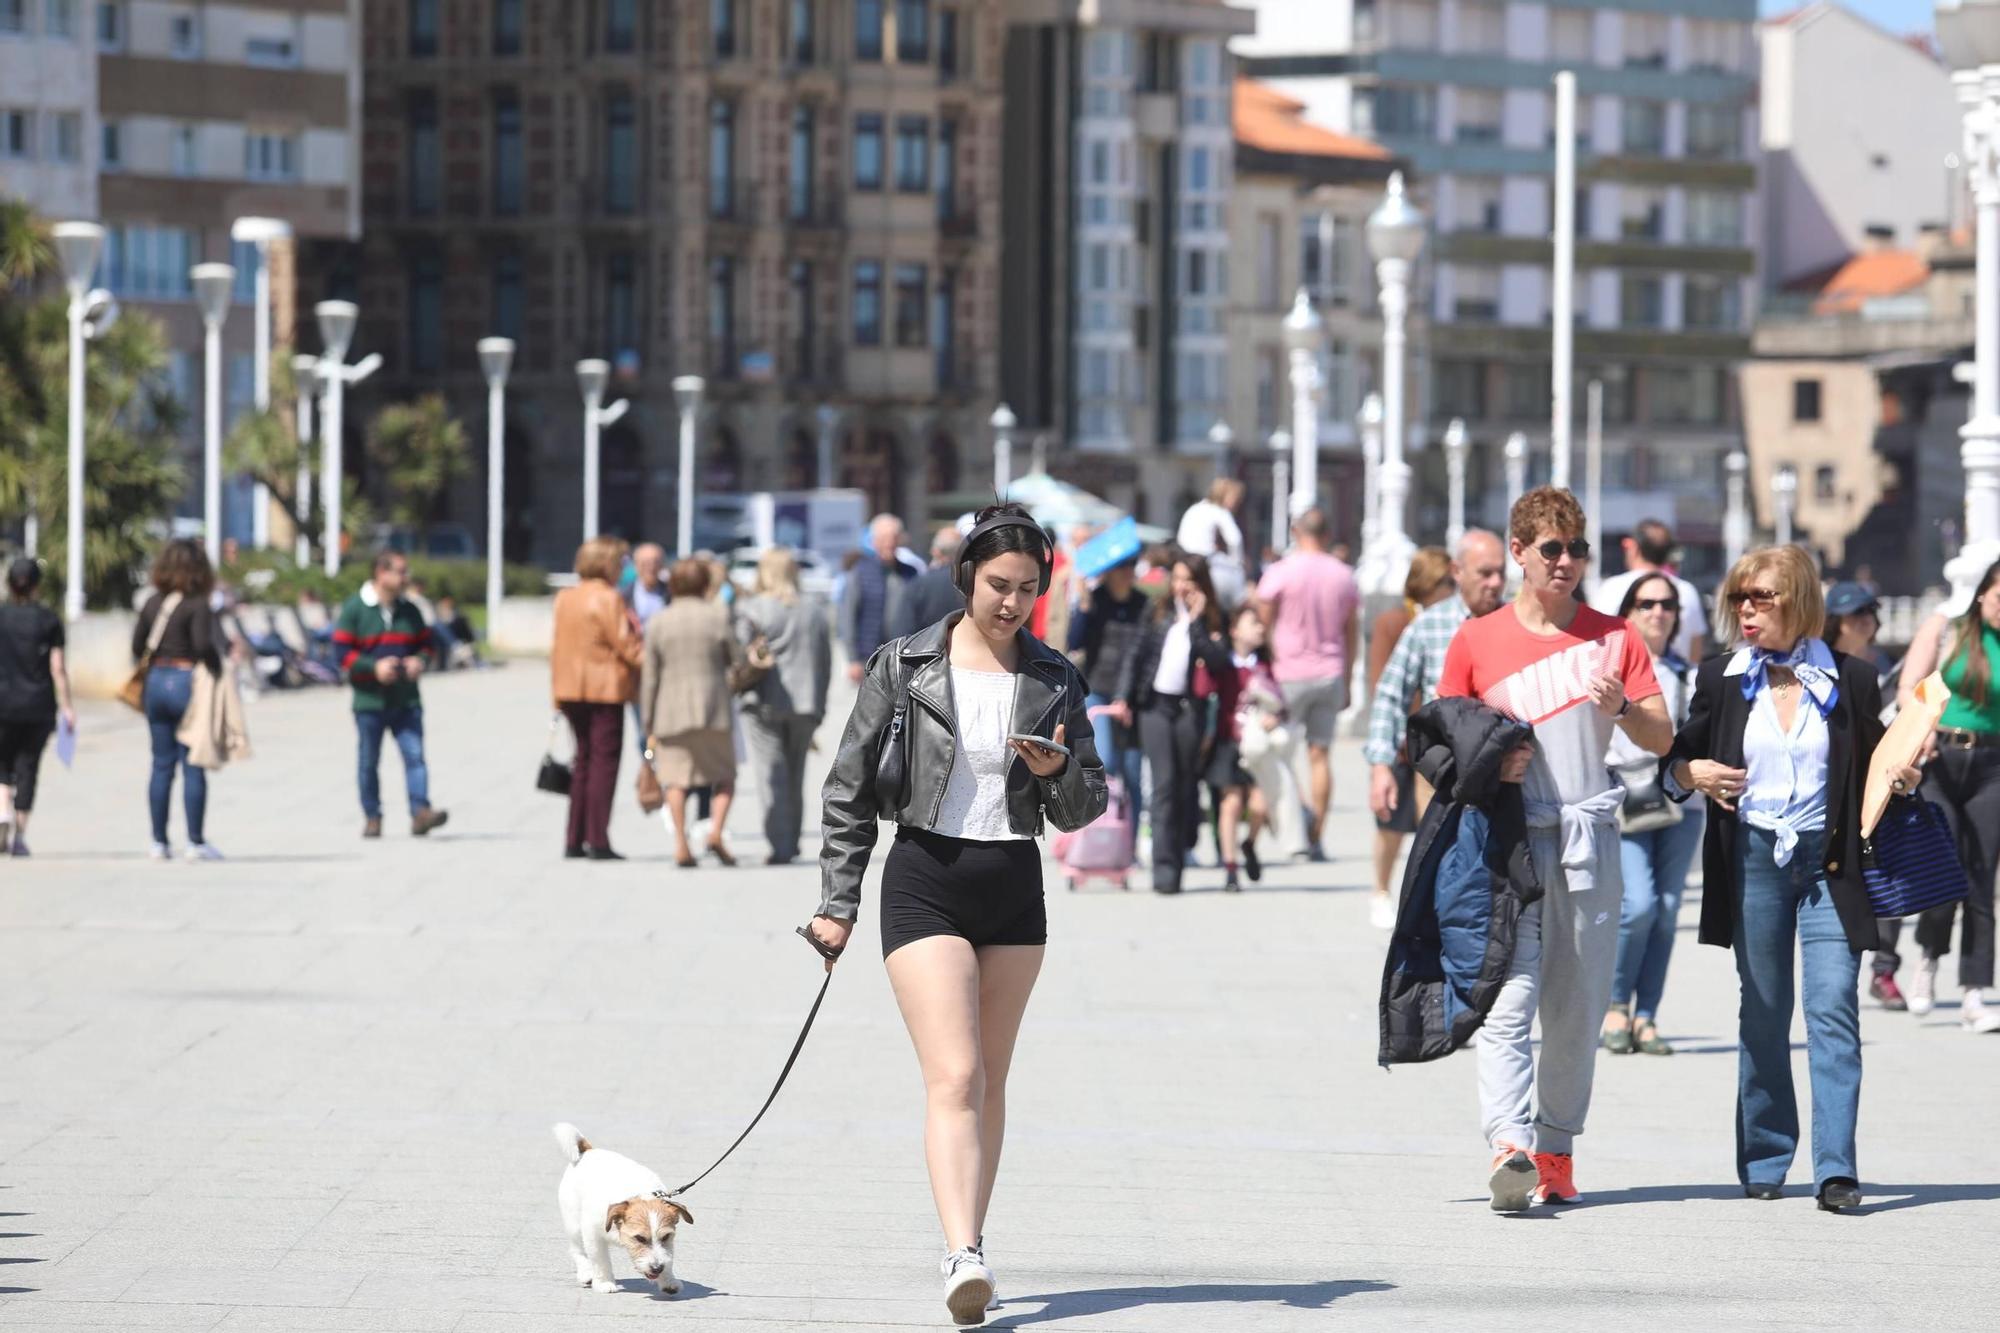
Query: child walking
{"points": [[1247, 697]]}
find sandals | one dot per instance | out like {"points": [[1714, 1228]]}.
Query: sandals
{"points": [[1646, 1038], [721, 853], [1618, 1041]]}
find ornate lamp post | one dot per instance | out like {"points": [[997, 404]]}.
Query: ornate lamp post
{"points": [[496, 357], [1454, 465], [336, 331], [214, 284], [1003, 423], [1785, 498], [687, 397], [78, 245], [1395, 238], [1221, 439], [1281, 489], [1302, 330], [1736, 516]]}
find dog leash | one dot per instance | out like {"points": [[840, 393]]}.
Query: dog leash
{"points": [[783, 1074]]}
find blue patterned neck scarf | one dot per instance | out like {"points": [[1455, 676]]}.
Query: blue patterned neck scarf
{"points": [[1810, 660]]}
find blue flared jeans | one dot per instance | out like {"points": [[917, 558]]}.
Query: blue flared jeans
{"points": [[1656, 870]]}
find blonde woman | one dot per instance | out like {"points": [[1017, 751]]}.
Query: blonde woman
{"points": [[781, 714]]}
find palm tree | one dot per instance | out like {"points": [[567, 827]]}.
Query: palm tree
{"points": [[421, 447], [25, 250]]}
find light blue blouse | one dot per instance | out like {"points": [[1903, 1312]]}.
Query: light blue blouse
{"points": [[1785, 790]]}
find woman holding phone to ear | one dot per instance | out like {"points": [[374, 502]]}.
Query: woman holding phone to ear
{"points": [[930, 744]]}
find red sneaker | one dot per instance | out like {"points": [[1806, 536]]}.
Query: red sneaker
{"points": [[1558, 1178], [1885, 992]]}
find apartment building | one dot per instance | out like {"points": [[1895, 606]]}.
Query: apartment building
{"points": [[1115, 265], [796, 200], [48, 107], [1297, 219], [1666, 215]]}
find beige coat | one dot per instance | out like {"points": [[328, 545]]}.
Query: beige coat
{"points": [[684, 684], [214, 729], [594, 658]]}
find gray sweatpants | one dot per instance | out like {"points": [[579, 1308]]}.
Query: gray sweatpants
{"points": [[775, 745], [1563, 958]]}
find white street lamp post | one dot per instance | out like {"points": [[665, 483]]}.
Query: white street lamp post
{"points": [[1454, 466], [1302, 336], [1003, 423], [1368, 422], [261, 232], [1517, 469], [829, 417], [1221, 439], [213, 286], [496, 355], [1785, 497], [305, 372], [77, 245], [1281, 488], [591, 377], [1736, 516], [336, 332], [1395, 238], [687, 396]]}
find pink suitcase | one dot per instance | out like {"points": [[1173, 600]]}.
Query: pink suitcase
{"points": [[1099, 850]]}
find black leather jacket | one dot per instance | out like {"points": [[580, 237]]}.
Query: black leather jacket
{"points": [[1048, 690]]}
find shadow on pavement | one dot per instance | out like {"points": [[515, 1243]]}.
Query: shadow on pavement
{"points": [[1298, 1295], [1916, 1196], [690, 1291]]}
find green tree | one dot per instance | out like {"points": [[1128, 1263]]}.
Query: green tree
{"points": [[420, 447]]}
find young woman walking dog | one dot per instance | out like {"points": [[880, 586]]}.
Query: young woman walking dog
{"points": [[968, 734]]}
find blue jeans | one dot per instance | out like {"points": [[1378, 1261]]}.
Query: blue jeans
{"points": [[1120, 761], [407, 726], [1776, 905], [1656, 871], [168, 693]]}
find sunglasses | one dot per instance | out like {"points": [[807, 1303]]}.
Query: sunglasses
{"points": [[1757, 599], [1657, 604], [1552, 549]]}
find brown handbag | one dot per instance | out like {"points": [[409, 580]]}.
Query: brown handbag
{"points": [[133, 692], [748, 674], [651, 796]]}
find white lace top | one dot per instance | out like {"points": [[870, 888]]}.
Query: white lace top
{"points": [[975, 796]]}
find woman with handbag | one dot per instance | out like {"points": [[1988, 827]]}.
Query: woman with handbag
{"points": [[684, 694], [1657, 838], [931, 744], [785, 705], [176, 633], [593, 672], [1779, 739]]}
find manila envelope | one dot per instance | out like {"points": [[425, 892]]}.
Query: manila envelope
{"points": [[1900, 746]]}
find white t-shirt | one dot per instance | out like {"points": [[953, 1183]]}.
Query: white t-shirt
{"points": [[975, 795], [1172, 675], [1209, 530], [1694, 616]]}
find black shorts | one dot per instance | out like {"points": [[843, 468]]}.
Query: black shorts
{"points": [[982, 892], [1403, 819], [1225, 766]]}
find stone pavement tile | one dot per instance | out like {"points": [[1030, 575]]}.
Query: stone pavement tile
{"points": [[84, 1314], [460, 1290], [275, 1319]]}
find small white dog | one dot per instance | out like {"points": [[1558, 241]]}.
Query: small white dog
{"points": [[605, 1195]]}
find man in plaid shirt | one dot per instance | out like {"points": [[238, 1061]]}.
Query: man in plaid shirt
{"points": [[1410, 678]]}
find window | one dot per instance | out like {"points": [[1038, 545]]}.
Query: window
{"points": [[66, 137], [867, 29], [1195, 283], [721, 159], [799, 166], [14, 16], [424, 163], [913, 31], [1714, 131], [800, 39], [270, 157], [621, 152], [185, 152], [1482, 29], [722, 30], [1805, 400], [1645, 37], [1714, 219], [244, 258], [1524, 391], [1475, 294], [621, 25], [1320, 233], [58, 19], [111, 27], [184, 36], [1826, 483], [621, 308], [910, 300], [1712, 303], [1641, 213], [868, 152], [507, 29], [271, 52], [913, 154], [1478, 116], [1477, 203], [426, 312], [149, 261], [948, 53], [1460, 388], [1395, 109], [800, 284], [1645, 125], [17, 133], [1270, 228], [509, 305], [111, 146], [868, 303], [1570, 35], [1684, 396], [1639, 302], [423, 28], [509, 167], [1197, 173], [1715, 46]]}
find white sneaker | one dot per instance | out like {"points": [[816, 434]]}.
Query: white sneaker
{"points": [[201, 851], [968, 1286], [160, 851], [1922, 994], [1974, 1016], [979, 1248], [1382, 911]]}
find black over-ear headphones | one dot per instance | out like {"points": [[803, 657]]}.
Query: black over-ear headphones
{"points": [[962, 571]]}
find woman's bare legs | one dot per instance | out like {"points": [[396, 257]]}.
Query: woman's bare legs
{"points": [[1227, 818], [963, 1010], [677, 809], [1388, 846], [718, 811], [1259, 811]]}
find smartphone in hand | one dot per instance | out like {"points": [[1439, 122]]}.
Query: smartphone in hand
{"points": [[1042, 742]]}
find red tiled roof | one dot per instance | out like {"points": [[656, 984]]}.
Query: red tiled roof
{"points": [[1874, 273], [1267, 119]]}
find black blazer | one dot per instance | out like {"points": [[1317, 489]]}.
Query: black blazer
{"points": [[1714, 730], [1142, 661]]}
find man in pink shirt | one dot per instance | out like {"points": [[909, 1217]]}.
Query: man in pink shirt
{"points": [[1311, 604]]}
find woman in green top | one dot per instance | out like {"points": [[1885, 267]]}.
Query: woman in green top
{"points": [[1962, 774]]}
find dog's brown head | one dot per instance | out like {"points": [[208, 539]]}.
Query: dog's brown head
{"points": [[646, 1227]]}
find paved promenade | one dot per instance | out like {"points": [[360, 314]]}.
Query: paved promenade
{"points": [[311, 1088]]}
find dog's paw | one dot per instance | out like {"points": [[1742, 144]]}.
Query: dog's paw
{"points": [[671, 1288], [603, 1284]]}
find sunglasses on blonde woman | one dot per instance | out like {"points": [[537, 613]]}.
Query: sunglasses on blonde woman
{"points": [[1757, 599]]}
